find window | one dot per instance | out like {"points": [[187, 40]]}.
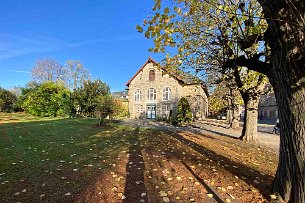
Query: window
{"points": [[167, 94], [166, 107], [151, 96], [151, 75], [139, 109], [137, 95]]}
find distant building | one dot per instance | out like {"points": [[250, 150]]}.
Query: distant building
{"points": [[153, 92], [121, 95], [267, 107]]}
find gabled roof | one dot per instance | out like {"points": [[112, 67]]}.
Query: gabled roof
{"points": [[179, 75]]}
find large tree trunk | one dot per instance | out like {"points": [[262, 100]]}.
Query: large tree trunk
{"points": [[249, 132], [286, 38], [290, 177]]}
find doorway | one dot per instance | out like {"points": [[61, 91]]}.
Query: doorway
{"points": [[151, 111]]}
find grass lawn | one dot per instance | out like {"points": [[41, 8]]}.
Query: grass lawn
{"points": [[53, 158], [73, 160]]}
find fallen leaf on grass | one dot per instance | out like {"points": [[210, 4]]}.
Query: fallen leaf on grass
{"points": [[166, 199], [162, 194], [210, 195]]}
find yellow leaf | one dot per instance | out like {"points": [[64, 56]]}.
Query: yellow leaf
{"points": [[210, 195]]}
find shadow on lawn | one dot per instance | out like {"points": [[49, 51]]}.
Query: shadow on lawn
{"points": [[135, 185], [239, 169]]}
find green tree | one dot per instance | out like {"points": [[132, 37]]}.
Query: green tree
{"points": [[105, 107], [7, 100], [86, 98], [47, 99], [184, 113]]}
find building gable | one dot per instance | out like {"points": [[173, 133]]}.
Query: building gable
{"points": [[155, 89]]}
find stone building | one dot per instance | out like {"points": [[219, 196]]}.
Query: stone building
{"points": [[267, 107], [153, 92]]}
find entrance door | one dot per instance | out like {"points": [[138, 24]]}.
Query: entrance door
{"points": [[151, 111]]}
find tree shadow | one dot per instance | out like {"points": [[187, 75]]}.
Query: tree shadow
{"points": [[135, 189], [216, 196], [218, 133], [238, 169]]}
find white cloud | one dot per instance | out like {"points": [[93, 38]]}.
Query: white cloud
{"points": [[14, 45], [16, 71]]}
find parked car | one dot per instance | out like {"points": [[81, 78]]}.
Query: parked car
{"points": [[221, 117]]}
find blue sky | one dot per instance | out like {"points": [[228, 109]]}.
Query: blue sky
{"points": [[100, 33]]}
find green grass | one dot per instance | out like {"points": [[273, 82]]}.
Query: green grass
{"points": [[50, 157]]}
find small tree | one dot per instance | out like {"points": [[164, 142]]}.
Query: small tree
{"points": [[86, 97], [105, 107], [184, 113]]}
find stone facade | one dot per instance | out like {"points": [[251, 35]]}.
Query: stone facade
{"points": [[267, 107], [154, 93]]}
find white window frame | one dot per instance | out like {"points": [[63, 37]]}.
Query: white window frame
{"points": [[137, 95], [166, 92], [151, 94]]}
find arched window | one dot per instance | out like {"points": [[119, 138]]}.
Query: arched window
{"points": [[137, 95], [151, 75], [151, 96], [167, 94]]}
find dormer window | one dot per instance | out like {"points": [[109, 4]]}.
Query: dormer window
{"points": [[151, 75]]}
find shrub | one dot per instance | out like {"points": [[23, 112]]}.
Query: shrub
{"points": [[184, 113], [47, 99]]}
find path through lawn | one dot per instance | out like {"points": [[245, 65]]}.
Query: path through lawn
{"points": [[72, 160]]}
